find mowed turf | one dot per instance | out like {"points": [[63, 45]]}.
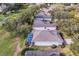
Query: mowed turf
{"points": [[6, 43]]}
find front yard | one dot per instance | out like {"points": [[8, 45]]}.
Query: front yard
{"points": [[67, 51]]}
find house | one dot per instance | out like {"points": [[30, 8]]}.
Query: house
{"points": [[47, 11], [40, 13], [69, 41], [42, 16], [6, 6], [77, 7], [44, 33], [2, 7], [42, 53], [43, 25], [46, 38], [47, 18]]}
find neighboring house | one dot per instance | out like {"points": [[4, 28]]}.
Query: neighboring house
{"points": [[2, 7], [47, 11], [42, 53], [69, 41], [40, 13], [46, 38], [77, 8], [42, 16], [43, 25], [47, 18]]}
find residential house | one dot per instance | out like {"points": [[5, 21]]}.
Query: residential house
{"points": [[42, 53], [46, 38], [44, 33], [42, 16]]}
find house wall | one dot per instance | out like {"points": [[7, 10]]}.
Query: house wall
{"points": [[49, 19], [51, 28], [43, 28], [46, 43], [38, 18]]}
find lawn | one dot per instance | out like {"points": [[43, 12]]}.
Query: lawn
{"points": [[67, 51], [6, 43]]}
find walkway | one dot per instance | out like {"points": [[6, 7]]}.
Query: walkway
{"points": [[17, 46]]}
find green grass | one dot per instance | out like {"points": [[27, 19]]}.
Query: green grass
{"points": [[6, 43], [22, 42]]}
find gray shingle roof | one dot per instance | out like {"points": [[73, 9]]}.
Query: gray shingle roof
{"points": [[42, 53], [45, 35], [38, 23], [42, 14]]}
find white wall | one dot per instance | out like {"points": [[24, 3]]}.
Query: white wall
{"points": [[38, 28], [43, 28], [47, 43], [38, 18], [51, 28], [49, 19], [69, 41]]}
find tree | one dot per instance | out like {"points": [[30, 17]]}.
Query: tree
{"points": [[16, 22]]}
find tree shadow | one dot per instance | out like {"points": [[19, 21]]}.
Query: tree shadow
{"points": [[24, 50], [62, 54], [64, 42]]}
